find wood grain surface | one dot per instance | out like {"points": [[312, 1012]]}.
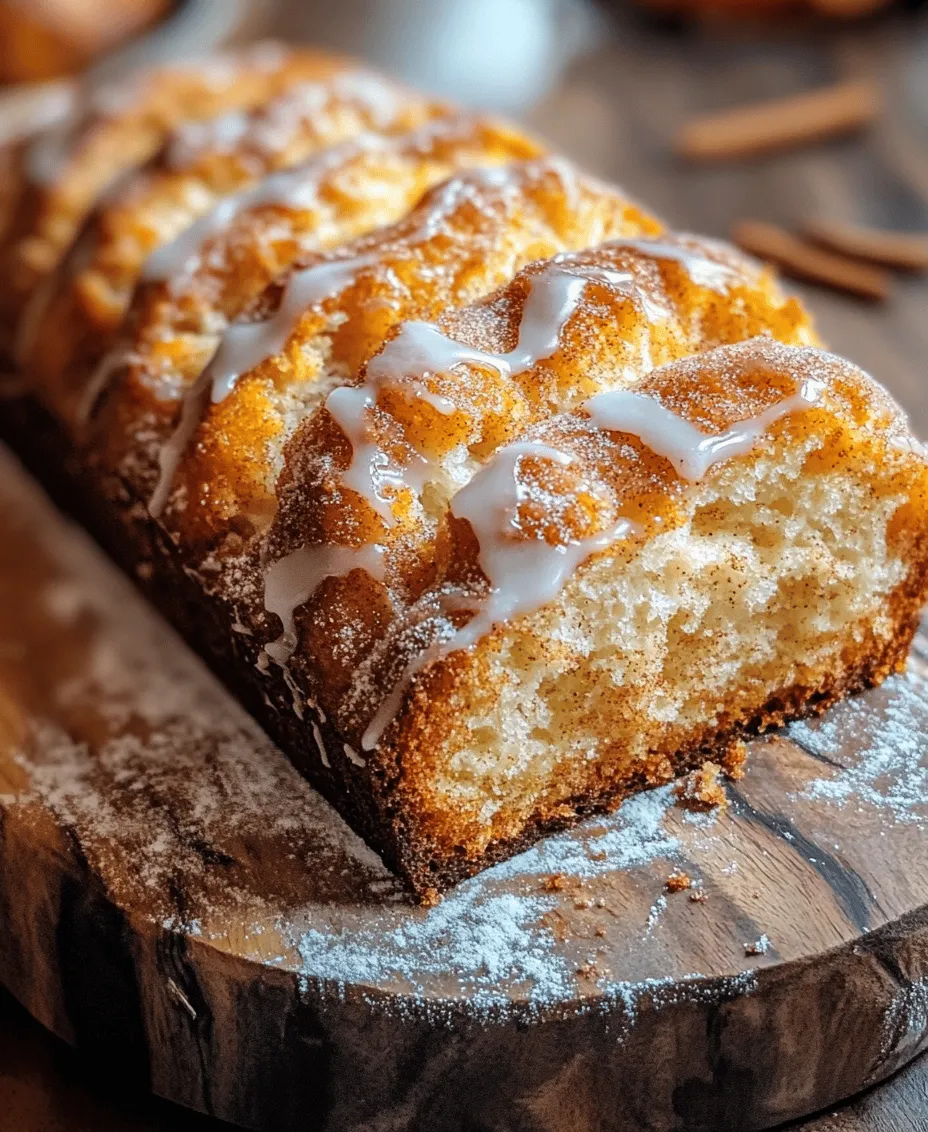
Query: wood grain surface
{"points": [[615, 108]]}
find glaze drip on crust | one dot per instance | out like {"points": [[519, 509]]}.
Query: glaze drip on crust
{"points": [[460, 241], [113, 129], [495, 499]]}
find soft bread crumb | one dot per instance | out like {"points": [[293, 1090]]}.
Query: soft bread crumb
{"points": [[733, 760], [701, 790]]}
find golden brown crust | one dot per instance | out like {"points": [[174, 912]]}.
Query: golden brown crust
{"points": [[312, 292], [209, 165], [464, 238], [112, 130]]}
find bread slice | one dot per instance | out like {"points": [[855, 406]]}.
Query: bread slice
{"points": [[609, 607], [492, 498]]}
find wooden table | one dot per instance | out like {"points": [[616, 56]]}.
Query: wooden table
{"points": [[611, 91]]}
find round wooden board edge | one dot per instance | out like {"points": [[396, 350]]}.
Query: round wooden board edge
{"points": [[260, 1045]]}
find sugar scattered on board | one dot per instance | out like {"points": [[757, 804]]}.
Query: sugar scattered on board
{"points": [[886, 730]]}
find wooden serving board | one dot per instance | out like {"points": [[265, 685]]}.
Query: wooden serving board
{"points": [[178, 902]]}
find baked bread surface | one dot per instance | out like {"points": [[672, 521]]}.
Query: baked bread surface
{"points": [[59, 37], [493, 498], [112, 129]]}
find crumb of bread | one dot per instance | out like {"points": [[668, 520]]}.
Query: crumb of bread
{"points": [[430, 897], [678, 881], [734, 759], [701, 790], [758, 947]]}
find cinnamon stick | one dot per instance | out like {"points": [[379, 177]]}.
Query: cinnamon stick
{"points": [[805, 261], [781, 123], [907, 251]]}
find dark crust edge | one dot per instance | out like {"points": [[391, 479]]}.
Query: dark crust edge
{"points": [[366, 796]]}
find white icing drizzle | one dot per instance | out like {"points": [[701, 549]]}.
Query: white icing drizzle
{"points": [[295, 188], [296, 694], [553, 298], [371, 469], [293, 579], [109, 364], [691, 451], [380, 97], [525, 575], [51, 150], [275, 126], [181, 256], [422, 348], [170, 454], [447, 198], [292, 188], [323, 754], [703, 271], [273, 129], [31, 111], [32, 317], [353, 756], [191, 139], [243, 346]]}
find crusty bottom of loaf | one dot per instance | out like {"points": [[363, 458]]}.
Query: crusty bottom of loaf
{"points": [[429, 864]]}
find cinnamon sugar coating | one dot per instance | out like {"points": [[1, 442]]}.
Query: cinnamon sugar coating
{"points": [[340, 116], [461, 240], [115, 128], [493, 498]]}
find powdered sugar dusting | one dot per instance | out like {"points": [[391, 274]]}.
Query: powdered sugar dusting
{"points": [[890, 768], [489, 940], [633, 836], [494, 934]]}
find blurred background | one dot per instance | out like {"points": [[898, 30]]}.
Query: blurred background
{"points": [[612, 84]]}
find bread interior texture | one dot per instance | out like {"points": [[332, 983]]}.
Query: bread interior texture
{"points": [[774, 583]]}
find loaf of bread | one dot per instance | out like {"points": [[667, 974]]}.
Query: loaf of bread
{"points": [[494, 499]]}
